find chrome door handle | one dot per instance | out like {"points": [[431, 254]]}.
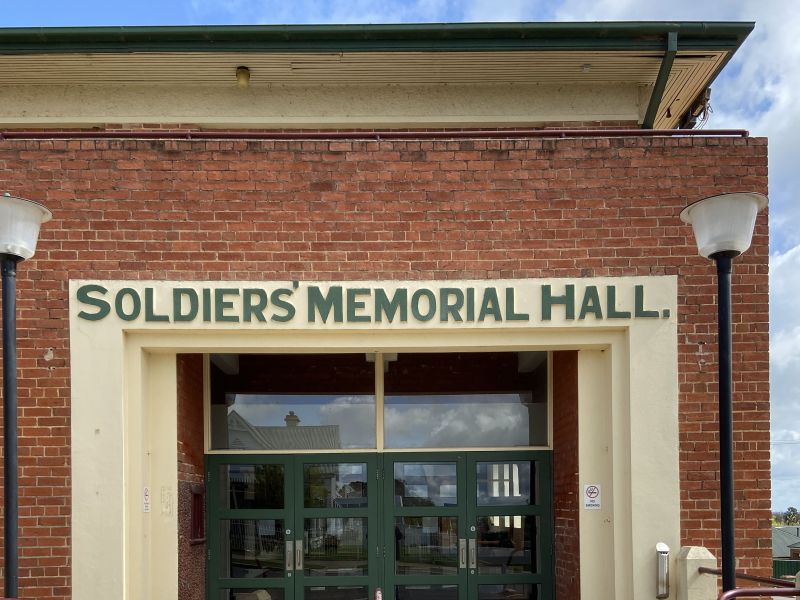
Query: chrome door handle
{"points": [[473, 554], [289, 555], [462, 553], [298, 555]]}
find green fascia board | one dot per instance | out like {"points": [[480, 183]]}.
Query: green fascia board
{"points": [[428, 37]]}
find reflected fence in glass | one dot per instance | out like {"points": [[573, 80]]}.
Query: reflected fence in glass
{"points": [[254, 547], [426, 545], [508, 544], [335, 547]]}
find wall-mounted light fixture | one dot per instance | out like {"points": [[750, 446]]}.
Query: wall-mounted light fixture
{"points": [[242, 76]]}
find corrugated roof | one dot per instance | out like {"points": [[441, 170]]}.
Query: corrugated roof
{"points": [[782, 539]]}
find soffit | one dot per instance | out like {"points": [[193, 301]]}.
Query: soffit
{"points": [[691, 71]]}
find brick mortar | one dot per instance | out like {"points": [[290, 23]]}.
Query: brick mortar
{"points": [[396, 210]]}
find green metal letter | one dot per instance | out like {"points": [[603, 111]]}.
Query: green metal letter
{"points": [[324, 304], [568, 300], [103, 307]]}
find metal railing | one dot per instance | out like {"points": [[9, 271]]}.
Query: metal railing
{"points": [[786, 588], [757, 578], [760, 593]]}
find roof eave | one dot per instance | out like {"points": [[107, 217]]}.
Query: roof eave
{"points": [[428, 37]]}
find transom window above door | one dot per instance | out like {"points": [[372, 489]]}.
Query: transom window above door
{"points": [[329, 402]]}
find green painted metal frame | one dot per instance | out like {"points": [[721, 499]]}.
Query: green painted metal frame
{"points": [[215, 514], [429, 37], [467, 511], [392, 512], [374, 542], [543, 508], [661, 81], [293, 515]]}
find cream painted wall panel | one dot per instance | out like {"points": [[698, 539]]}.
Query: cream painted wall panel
{"points": [[599, 562], [124, 383], [622, 450], [97, 433], [161, 523], [654, 476], [317, 106]]}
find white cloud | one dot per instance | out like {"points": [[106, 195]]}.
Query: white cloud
{"points": [[785, 360], [759, 91], [503, 10], [322, 11]]}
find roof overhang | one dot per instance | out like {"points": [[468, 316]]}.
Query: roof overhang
{"points": [[672, 63]]}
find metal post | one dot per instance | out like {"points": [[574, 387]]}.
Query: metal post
{"points": [[724, 262], [11, 491]]}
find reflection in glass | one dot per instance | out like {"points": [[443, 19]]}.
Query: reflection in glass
{"points": [[425, 484], [335, 547], [252, 594], [505, 483], [509, 591], [294, 422], [464, 420], [335, 485], [426, 545], [508, 544], [427, 592], [343, 592], [255, 548], [251, 486]]}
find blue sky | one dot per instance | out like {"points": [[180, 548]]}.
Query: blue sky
{"points": [[759, 91]]}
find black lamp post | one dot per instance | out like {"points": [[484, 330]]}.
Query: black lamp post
{"points": [[723, 228], [19, 229]]}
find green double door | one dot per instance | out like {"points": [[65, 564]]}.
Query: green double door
{"points": [[443, 526]]}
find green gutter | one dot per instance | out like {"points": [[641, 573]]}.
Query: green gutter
{"points": [[661, 81], [430, 37]]}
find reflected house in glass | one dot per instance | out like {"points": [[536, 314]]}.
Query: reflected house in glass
{"points": [[243, 435]]}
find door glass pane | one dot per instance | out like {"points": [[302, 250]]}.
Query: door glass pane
{"points": [[255, 548], [466, 400], [508, 544], [331, 592], [335, 485], [252, 594], [509, 591], [251, 486], [292, 401], [335, 547], [425, 484], [426, 545], [427, 592], [506, 483]]}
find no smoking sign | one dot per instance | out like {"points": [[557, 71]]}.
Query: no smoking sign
{"points": [[592, 496]]}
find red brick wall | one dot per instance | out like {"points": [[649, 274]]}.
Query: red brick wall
{"points": [[565, 476], [191, 554], [319, 210]]}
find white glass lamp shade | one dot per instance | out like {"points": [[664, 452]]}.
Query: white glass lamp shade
{"points": [[20, 220], [724, 223]]}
